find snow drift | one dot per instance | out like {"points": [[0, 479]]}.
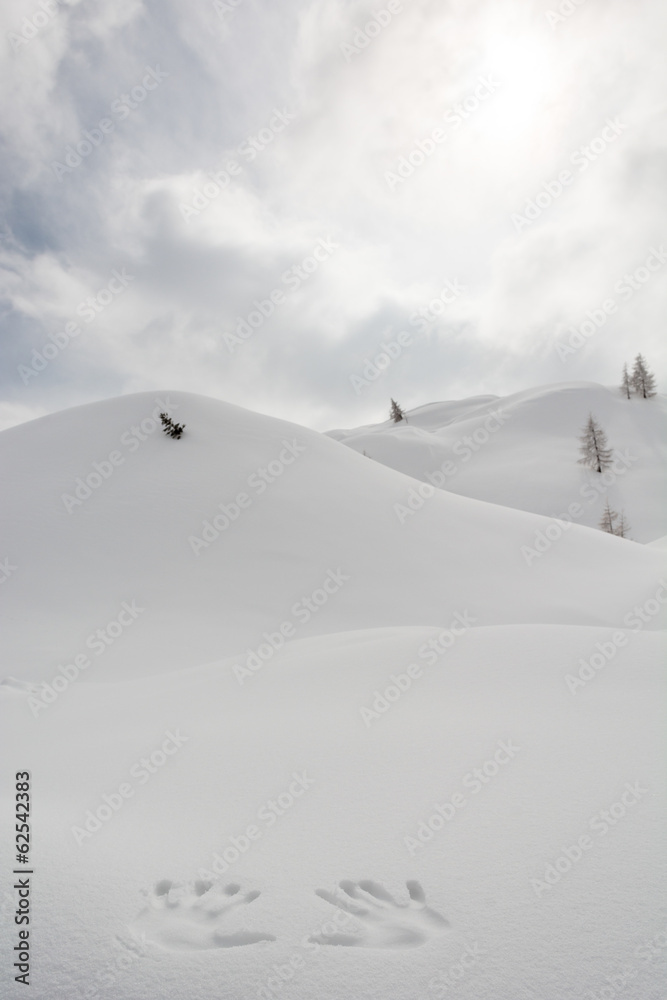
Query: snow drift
{"points": [[225, 536]]}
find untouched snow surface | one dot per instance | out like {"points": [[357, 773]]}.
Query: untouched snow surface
{"points": [[445, 780]]}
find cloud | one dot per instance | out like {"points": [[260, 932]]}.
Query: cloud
{"points": [[240, 135]]}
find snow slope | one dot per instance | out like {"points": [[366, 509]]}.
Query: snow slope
{"points": [[527, 456], [444, 780], [486, 863], [330, 510]]}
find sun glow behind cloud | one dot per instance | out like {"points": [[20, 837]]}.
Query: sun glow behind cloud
{"points": [[525, 70], [325, 175]]}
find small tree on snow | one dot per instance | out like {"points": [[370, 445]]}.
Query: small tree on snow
{"points": [[643, 381], [613, 522], [609, 519], [396, 413], [595, 452], [623, 527], [169, 427], [626, 382]]}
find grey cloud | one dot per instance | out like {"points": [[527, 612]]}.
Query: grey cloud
{"points": [[322, 174]]}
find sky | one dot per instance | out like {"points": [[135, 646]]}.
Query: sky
{"points": [[257, 201]]}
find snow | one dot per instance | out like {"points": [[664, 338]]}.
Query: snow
{"points": [[447, 724], [527, 457]]}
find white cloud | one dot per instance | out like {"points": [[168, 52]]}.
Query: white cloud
{"points": [[324, 174]]}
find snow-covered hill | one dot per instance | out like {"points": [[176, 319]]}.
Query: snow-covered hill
{"points": [[299, 727], [290, 514], [522, 451]]}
